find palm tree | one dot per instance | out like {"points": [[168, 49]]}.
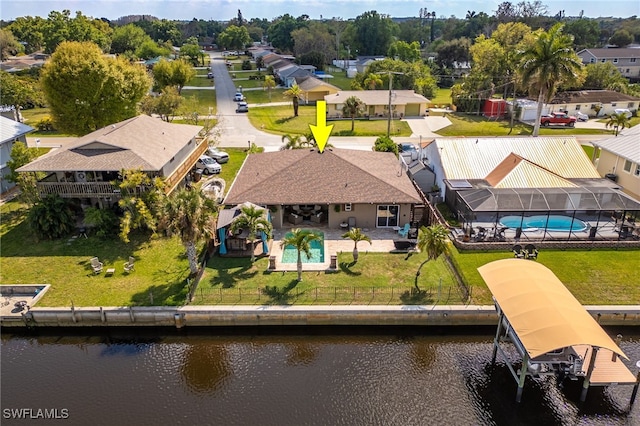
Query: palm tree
{"points": [[292, 142], [618, 121], [433, 240], [301, 240], [372, 81], [294, 93], [356, 235], [547, 63], [352, 107], [269, 83], [190, 214], [253, 219]]}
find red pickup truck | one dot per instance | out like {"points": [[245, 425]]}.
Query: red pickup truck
{"points": [[558, 118]]}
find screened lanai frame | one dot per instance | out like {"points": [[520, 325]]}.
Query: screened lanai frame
{"points": [[591, 213]]}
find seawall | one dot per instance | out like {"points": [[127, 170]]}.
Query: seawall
{"points": [[226, 316]]}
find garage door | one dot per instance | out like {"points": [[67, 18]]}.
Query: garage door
{"points": [[412, 110]]}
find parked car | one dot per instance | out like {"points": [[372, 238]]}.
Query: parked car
{"points": [[623, 111], [581, 116], [218, 155], [242, 107], [208, 165], [239, 97], [210, 75], [558, 118]]}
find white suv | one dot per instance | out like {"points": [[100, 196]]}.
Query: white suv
{"points": [[208, 165]]}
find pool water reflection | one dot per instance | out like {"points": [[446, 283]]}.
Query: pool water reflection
{"points": [[556, 223]]}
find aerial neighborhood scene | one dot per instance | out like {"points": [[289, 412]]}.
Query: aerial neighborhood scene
{"points": [[309, 194]]}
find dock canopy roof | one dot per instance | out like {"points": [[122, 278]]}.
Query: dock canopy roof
{"points": [[543, 313]]}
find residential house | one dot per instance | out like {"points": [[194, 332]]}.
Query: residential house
{"points": [[86, 168], [499, 181], [11, 131], [290, 73], [314, 89], [25, 62], [404, 103], [627, 60], [585, 101], [363, 62], [618, 158], [336, 188]]}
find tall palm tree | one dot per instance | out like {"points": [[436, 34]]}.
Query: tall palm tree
{"points": [[190, 214], [269, 84], [547, 63], [433, 240], [301, 240], [372, 81], [356, 235], [352, 107], [294, 93], [618, 121], [253, 219]]}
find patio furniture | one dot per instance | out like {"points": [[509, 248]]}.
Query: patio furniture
{"points": [[352, 222], [482, 233], [403, 244], [403, 232], [518, 252], [318, 217], [531, 252], [109, 272], [96, 265], [128, 267], [295, 219]]}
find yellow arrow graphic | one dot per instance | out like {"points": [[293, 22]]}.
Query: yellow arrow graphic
{"points": [[321, 131]]}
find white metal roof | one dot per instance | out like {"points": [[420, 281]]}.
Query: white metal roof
{"points": [[626, 146], [11, 129]]}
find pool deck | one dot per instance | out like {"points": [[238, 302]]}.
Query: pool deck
{"points": [[381, 241]]}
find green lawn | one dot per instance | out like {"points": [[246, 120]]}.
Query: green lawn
{"points": [[201, 81], [473, 125], [202, 99], [280, 120], [262, 96], [442, 97]]}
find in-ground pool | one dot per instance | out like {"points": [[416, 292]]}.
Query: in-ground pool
{"points": [[290, 254], [556, 223]]}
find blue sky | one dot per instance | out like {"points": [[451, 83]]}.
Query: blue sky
{"points": [[269, 9]]}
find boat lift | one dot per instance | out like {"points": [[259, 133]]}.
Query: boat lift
{"points": [[551, 331]]}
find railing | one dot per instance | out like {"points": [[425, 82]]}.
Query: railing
{"points": [[172, 181], [78, 189]]}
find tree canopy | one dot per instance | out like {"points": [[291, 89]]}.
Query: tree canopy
{"points": [[234, 37], [87, 91], [172, 73], [371, 33]]}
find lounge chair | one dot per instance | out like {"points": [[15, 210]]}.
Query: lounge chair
{"points": [[531, 252], [96, 265], [128, 266], [518, 252], [403, 232]]}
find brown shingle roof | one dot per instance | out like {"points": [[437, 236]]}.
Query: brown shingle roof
{"points": [[333, 177], [591, 96], [140, 142]]}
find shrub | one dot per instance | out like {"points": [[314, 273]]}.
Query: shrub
{"points": [[246, 64], [45, 125], [105, 222], [385, 144], [51, 217]]}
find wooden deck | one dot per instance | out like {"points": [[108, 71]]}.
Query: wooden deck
{"points": [[605, 372]]}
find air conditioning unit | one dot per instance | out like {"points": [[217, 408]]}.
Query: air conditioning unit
{"points": [[81, 177], [347, 207]]}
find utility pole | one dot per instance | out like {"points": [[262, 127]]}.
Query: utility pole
{"points": [[391, 73]]}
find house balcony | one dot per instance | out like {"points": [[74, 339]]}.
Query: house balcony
{"points": [[78, 189]]}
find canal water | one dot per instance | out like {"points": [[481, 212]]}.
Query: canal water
{"points": [[418, 376]]}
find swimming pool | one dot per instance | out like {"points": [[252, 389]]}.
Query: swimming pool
{"points": [[557, 223], [290, 254]]}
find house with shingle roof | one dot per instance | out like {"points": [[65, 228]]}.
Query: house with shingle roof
{"points": [[314, 89], [626, 59], [404, 103], [86, 168], [331, 187]]}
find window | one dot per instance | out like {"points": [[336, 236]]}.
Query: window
{"points": [[632, 60], [603, 60], [577, 107], [387, 216], [627, 166], [627, 71], [637, 170], [630, 105], [615, 60], [592, 60], [613, 104]]}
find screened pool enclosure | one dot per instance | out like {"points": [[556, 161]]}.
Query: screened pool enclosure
{"points": [[580, 213]]}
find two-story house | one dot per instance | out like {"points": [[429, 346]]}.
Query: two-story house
{"points": [[627, 60], [87, 168], [11, 131]]}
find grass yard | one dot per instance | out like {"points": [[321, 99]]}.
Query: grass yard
{"points": [[201, 99], [262, 96], [280, 120], [473, 125], [442, 97], [230, 169], [200, 81]]}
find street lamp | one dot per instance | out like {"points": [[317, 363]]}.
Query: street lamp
{"points": [[391, 73]]}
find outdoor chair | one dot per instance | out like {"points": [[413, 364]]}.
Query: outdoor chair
{"points": [[317, 218], [531, 251], [517, 251], [128, 266], [482, 234], [403, 232], [96, 265], [295, 219]]}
